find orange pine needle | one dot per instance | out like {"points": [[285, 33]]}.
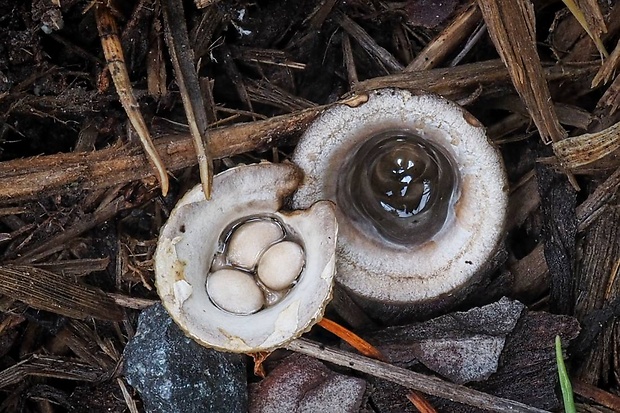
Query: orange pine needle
{"points": [[371, 351], [420, 402], [352, 339]]}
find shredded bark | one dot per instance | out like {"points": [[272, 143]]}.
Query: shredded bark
{"points": [[512, 28]]}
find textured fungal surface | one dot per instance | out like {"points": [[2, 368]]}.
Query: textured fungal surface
{"points": [[421, 193]]}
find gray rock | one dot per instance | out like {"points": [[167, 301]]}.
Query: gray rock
{"points": [[173, 373], [525, 370], [462, 347]]}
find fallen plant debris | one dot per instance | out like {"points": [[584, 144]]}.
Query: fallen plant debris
{"points": [[238, 82], [111, 43]]}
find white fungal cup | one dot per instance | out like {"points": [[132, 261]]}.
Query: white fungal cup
{"points": [[208, 277], [454, 241]]}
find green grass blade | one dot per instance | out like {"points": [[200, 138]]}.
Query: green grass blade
{"points": [[567, 389]]}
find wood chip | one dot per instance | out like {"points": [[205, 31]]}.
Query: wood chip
{"points": [[448, 40], [559, 230], [609, 68], [511, 25], [49, 366], [595, 289], [598, 201], [48, 291], [611, 98], [588, 148]]}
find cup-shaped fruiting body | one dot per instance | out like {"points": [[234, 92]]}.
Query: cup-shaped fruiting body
{"points": [[421, 196], [235, 272]]}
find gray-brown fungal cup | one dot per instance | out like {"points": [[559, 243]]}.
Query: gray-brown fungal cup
{"points": [[421, 198], [235, 272]]}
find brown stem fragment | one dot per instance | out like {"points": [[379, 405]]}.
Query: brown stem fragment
{"points": [[182, 55], [449, 82], [50, 366], [597, 395], [45, 290], [31, 178], [381, 55], [111, 44], [444, 44], [352, 339], [349, 61]]}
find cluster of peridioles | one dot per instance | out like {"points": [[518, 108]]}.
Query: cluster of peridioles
{"points": [[257, 266]]}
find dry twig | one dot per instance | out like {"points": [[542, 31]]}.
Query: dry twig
{"points": [[182, 56], [381, 55], [451, 37], [49, 366], [110, 41], [412, 380], [45, 290], [34, 177], [371, 351]]}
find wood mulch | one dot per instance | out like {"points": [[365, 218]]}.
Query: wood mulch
{"points": [[91, 92]]}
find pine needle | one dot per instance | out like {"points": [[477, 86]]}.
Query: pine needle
{"points": [[581, 18]]}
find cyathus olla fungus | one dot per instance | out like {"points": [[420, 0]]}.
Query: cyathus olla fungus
{"points": [[238, 274], [421, 197]]}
